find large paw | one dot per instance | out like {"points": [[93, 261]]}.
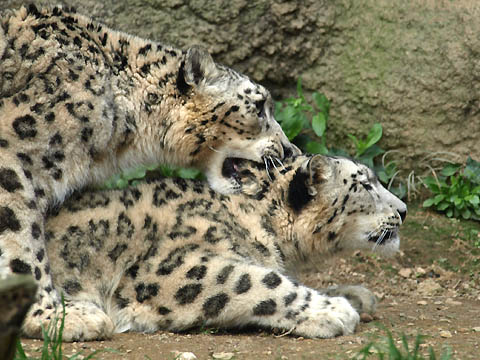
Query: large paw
{"points": [[83, 321], [327, 317], [362, 299]]}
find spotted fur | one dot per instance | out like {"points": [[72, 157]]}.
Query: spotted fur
{"points": [[173, 254], [79, 102]]}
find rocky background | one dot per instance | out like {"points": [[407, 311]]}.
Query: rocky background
{"points": [[413, 65]]}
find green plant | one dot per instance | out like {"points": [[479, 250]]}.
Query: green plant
{"points": [[456, 191], [387, 173], [387, 349], [53, 342], [133, 177], [305, 123], [367, 149], [299, 118]]}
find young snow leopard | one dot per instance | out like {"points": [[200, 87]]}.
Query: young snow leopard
{"points": [[172, 254], [79, 102]]}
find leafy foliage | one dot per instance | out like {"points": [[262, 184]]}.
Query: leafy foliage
{"points": [[305, 124], [388, 350], [367, 150], [456, 191], [298, 118], [132, 178]]}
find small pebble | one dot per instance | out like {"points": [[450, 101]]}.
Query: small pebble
{"points": [[445, 334], [184, 355], [223, 355], [365, 317]]}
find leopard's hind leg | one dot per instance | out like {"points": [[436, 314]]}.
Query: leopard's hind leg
{"points": [[22, 251]]}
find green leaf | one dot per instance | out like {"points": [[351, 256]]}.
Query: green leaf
{"points": [[391, 167], [450, 169], [322, 102], [457, 200], [319, 124], [466, 214], [428, 202], [382, 175], [443, 206], [354, 139], [438, 198], [472, 170], [121, 183], [400, 191], [299, 88], [292, 121], [338, 152], [449, 212], [187, 173], [374, 135], [314, 147], [432, 184], [372, 152], [473, 199], [366, 160]]}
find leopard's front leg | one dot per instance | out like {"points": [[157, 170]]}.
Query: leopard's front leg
{"points": [[264, 297], [228, 293]]}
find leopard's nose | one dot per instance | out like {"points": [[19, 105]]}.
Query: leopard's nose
{"points": [[403, 214]]}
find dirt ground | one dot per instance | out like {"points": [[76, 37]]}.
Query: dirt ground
{"points": [[432, 288]]}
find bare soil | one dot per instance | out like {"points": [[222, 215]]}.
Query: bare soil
{"points": [[431, 288]]}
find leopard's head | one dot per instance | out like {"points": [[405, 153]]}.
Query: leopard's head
{"points": [[333, 203], [226, 115]]}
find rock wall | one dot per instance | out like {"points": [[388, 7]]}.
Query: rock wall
{"points": [[412, 65]]}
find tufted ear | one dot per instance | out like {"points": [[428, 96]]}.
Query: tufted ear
{"points": [[199, 65], [302, 186]]}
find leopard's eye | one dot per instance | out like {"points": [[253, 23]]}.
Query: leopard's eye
{"points": [[260, 105]]}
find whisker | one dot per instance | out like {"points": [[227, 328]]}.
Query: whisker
{"points": [[280, 162], [266, 168], [215, 150], [380, 239], [374, 231], [273, 163]]}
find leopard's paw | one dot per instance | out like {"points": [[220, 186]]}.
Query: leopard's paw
{"points": [[83, 321], [327, 317], [362, 299]]}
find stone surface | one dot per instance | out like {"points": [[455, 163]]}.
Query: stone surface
{"points": [[413, 66]]}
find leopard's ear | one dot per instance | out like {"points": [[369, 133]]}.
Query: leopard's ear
{"points": [[302, 188], [317, 168], [199, 65]]}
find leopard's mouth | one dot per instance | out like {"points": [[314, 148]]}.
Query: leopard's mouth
{"points": [[231, 168], [383, 237]]}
